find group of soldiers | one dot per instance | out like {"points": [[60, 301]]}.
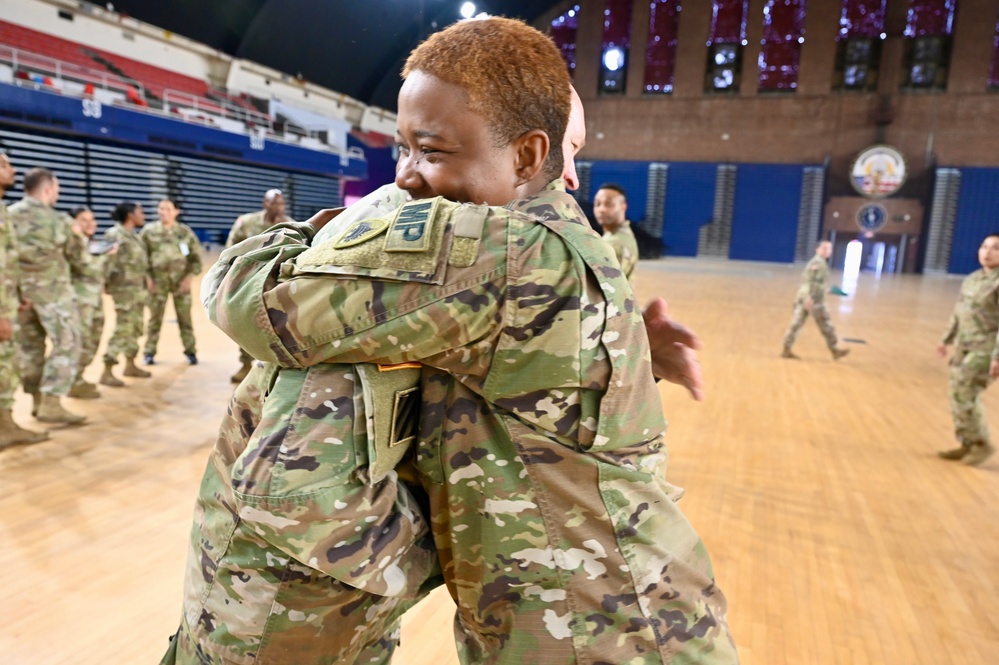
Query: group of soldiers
{"points": [[54, 273]]}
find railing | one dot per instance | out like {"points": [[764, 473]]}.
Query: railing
{"points": [[40, 64], [176, 98]]}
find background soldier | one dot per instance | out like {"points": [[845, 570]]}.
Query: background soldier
{"points": [[88, 284], [10, 300], [249, 225], [609, 207], [811, 299], [174, 260], [127, 283], [44, 250], [973, 328]]}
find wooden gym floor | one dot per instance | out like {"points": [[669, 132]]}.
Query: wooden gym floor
{"points": [[837, 534]]}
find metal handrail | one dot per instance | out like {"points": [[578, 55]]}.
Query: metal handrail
{"points": [[43, 64]]}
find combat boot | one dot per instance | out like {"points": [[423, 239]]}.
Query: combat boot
{"points": [[10, 433], [50, 410], [979, 453], [109, 379], [839, 353], [36, 399], [84, 390], [955, 454], [787, 353], [132, 370], [241, 374]]}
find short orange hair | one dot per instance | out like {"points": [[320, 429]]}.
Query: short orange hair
{"points": [[513, 74]]}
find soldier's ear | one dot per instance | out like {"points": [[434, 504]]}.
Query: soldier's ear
{"points": [[531, 150]]}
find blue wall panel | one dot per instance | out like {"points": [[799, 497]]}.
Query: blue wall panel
{"points": [[977, 206], [765, 216], [690, 202], [633, 177]]}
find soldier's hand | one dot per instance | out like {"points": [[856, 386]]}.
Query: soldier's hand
{"points": [[6, 330], [942, 350], [25, 305], [150, 285], [112, 251], [185, 284], [673, 348], [809, 304], [323, 217], [994, 369]]}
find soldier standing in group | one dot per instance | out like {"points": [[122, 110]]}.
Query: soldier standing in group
{"points": [[973, 329], [44, 251], [10, 302], [128, 284], [249, 225], [609, 207], [174, 255], [88, 284], [811, 299]]}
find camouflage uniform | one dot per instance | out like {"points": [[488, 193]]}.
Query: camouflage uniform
{"points": [[126, 283], [247, 226], [973, 329], [174, 253], [44, 254], [88, 285], [540, 443], [10, 299], [625, 247], [814, 281]]}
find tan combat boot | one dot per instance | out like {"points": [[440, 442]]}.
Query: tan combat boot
{"points": [[50, 410], [241, 374], [10, 433], [109, 379], [954, 454], [36, 399], [839, 353], [132, 370], [84, 390], [979, 453], [787, 353]]}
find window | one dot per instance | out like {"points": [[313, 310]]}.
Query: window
{"points": [[563, 33], [614, 47], [928, 30], [994, 71], [660, 54], [726, 40], [858, 45], [783, 35]]}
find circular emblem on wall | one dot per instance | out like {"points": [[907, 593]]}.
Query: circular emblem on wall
{"points": [[878, 171], [872, 217]]}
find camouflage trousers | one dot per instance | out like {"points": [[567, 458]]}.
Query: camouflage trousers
{"points": [[969, 377], [822, 320], [59, 322], [129, 308], [91, 329], [169, 287], [9, 378]]}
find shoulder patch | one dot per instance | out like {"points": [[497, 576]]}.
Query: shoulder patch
{"points": [[361, 231], [411, 226]]}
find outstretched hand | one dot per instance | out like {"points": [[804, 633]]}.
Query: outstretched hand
{"points": [[673, 347], [323, 217]]}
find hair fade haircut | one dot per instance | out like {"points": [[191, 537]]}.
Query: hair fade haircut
{"points": [[121, 211], [514, 77], [36, 177], [614, 187]]}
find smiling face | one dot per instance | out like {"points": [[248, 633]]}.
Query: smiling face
{"points": [[988, 253], [86, 222], [167, 212], [445, 149], [7, 172]]}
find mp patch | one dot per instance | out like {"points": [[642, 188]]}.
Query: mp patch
{"points": [[411, 228], [361, 231]]}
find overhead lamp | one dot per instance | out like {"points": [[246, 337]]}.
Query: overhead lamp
{"points": [[468, 10]]}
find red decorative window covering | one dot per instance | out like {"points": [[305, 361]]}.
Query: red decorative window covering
{"points": [[930, 18], [660, 54], [617, 24], [783, 35], [994, 73], [728, 22], [563, 32], [861, 18]]}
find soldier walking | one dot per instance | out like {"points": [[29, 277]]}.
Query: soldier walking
{"points": [[127, 283], [10, 301], [174, 255], [44, 247], [811, 299], [973, 329]]}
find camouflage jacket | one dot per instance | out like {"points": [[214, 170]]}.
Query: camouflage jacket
{"points": [[814, 280], [540, 441], [45, 250], [249, 225], [974, 323], [625, 247], [129, 266], [10, 297], [173, 252], [86, 271]]}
